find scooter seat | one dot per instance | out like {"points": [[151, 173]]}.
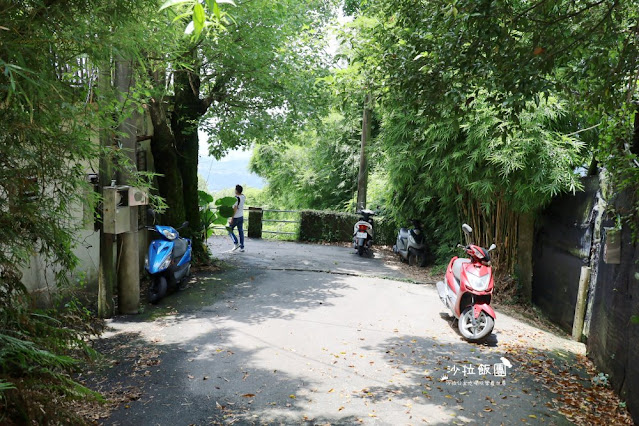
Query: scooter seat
{"points": [[417, 236], [179, 248], [457, 267]]}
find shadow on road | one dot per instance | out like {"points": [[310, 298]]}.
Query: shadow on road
{"points": [[265, 343]]}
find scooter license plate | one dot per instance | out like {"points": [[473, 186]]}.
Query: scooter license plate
{"points": [[362, 235]]}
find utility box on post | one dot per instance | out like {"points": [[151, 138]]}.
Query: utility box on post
{"points": [[117, 202]]}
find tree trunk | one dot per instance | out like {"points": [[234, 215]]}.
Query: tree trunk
{"points": [[634, 148], [165, 158], [175, 149], [526, 235], [188, 111], [362, 179]]}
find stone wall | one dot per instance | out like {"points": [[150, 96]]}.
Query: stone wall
{"points": [[569, 236], [563, 242], [613, 339]]}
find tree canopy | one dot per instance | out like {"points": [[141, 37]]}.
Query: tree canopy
{"points": [[478, 103]]}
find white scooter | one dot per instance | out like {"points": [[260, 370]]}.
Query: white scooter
{"points": [[411, 245], [363, 232]]}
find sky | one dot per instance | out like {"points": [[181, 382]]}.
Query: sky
{"points": [[227, 172]]}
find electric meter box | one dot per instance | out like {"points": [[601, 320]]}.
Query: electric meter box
{"points": [[117, 207]]}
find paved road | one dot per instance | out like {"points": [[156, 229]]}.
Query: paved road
{"points": [[307, 334]]}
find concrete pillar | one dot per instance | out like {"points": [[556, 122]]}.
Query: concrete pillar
{"points": [[128, 247], [106, 270], [255, 222]]}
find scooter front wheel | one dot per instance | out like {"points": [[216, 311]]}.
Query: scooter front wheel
{"points": [[157, 290], [482, 326]]}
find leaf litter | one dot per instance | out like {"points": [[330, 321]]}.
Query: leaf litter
{"points": [[580, 399]]}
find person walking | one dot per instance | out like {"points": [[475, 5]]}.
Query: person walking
{"points": [[238, 219]]}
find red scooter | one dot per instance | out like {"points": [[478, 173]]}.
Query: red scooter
{"points": [[468, 288]]}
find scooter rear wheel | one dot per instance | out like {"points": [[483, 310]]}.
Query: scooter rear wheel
{"points": [[481, 329], [416, 258], [157, 290]]}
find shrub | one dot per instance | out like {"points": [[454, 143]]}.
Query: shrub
{"points": [[338, 227]]}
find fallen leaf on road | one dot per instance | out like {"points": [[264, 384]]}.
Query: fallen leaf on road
{"points": [[248, 395]]}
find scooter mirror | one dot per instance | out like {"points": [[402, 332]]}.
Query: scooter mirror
{"points": [[184, 225], [492, 247], [467, 229], [151, 214]]}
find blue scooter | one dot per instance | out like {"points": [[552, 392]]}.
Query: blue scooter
{"points": [[168, 261]]}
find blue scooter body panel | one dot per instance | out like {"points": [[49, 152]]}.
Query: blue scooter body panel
{"points": [[159, 251], [187, 256]]}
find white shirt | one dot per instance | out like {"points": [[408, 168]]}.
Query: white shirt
{"points": [[240, 205]]}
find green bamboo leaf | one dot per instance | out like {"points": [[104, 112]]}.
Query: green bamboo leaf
{"points": [[198, 18], [182, 16], [4, 385]]}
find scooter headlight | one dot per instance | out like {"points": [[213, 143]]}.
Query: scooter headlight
{"points": [[169, 235], [478, 283], [165, 263]]}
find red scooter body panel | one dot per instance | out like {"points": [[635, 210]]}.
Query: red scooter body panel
{"points": [[486, 308], [476, 268], [450, 278]]}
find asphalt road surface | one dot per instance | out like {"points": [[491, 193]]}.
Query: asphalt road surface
{"points": [[293, 333]]}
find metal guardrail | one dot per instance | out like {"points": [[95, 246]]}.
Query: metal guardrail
{"points": [[265, 231]]}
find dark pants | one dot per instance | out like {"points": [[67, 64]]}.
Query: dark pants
{"points": [[239, 222]]}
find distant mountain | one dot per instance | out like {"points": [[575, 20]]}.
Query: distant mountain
{"points": [[229, 171]]}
